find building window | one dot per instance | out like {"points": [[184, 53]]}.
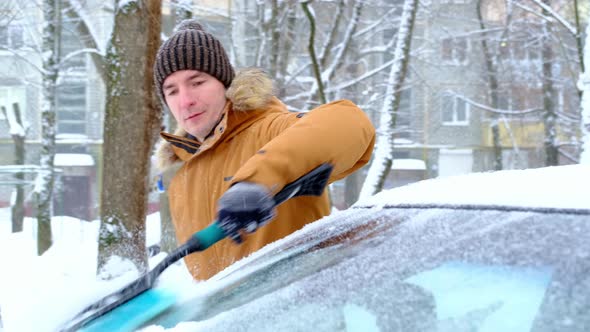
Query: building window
{"points": [[519, 51], [454, 111], [70, 42], [520, 98], [12, 36], [71, 108], [454, 50]]}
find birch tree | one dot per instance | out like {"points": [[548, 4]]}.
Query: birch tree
{"points": [[383, 157], [46, 177], [585, 88], [132, 122], [52, 62]]}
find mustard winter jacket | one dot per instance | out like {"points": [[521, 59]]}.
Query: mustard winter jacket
{"points": [[259, 141]]}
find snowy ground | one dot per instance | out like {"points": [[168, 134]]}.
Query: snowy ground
{"points": [[30, 285]]}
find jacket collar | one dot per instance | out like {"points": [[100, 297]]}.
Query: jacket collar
{"points": [[249, 94]]}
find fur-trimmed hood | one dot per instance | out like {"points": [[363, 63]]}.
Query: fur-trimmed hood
{"points": [[251, 89]]}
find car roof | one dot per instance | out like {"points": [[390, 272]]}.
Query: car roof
{"points": [[403, 236], [557, 187]]}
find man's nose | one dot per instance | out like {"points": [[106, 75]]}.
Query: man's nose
{"points": [[186, 100]]}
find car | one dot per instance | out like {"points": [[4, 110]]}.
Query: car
{"points": [[497, 251]]}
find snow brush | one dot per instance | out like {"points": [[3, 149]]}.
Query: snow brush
{"points": [[134, 305]]}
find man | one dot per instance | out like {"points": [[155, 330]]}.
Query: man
{"points": [[239, 146]]}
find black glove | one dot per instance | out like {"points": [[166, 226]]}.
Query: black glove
{"points": [[245, 206]]}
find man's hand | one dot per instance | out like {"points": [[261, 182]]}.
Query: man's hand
{"points": [[245, 206]]}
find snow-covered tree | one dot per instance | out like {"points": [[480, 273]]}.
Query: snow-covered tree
{"points": [[46, 177], [131, 126], [584, 86], [383, 159], [529, 69], [560, 128]]}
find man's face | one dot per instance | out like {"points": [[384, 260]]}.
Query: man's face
{"points": [[196, 100]]}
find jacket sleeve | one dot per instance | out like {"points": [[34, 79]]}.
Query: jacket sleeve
{"points": [[339, 133]]}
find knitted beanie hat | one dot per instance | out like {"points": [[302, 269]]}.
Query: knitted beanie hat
{"points": [[190, 47]]}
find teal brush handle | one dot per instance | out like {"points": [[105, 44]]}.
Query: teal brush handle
{"points": [[209, 236]]}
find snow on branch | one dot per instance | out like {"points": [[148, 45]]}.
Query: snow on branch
{"points": [[70, 55], [23, 58], [551, 12], [494, 110], [360, 78], [377, 23], [328, 42], [383, 155], [350, 29]]}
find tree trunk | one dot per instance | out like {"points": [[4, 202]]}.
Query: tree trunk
{"points": [[46, 176], [549, 116], [585, 109], [493, 85], [383, 157], [132, 122], [311, 49], [579, 46]]}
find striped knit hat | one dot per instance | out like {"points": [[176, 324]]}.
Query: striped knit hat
{"points": [[190, 47]]}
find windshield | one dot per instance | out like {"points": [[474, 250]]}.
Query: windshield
{"points": [[416, 270]]}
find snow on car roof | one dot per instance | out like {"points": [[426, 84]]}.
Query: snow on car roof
{"points": [[561, 187]]}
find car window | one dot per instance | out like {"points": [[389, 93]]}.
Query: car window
{"points": [[418, 270]]}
